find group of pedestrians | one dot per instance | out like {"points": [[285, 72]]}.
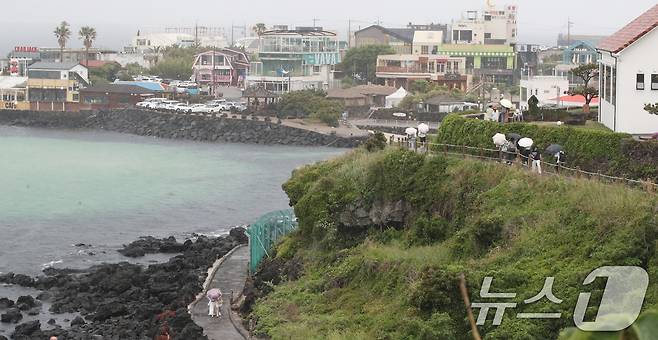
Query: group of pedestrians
{"points": [[502, 114], [530, 156]]}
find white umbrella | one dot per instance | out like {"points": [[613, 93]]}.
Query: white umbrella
{"points": [[506, 103], [499, 139], [423, 128], [526, 143], [400, 114], [411, 131]]}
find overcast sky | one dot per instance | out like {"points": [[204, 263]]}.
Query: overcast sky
{"points": [[32, 23]]}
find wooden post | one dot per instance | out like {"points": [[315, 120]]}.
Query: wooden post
{"points": [[467, 303]]}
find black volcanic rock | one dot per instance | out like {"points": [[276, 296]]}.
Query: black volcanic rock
{"points": [[6, 303], [12, 315], [152, 245], [26, 302], [130, 301], [26, 329]]}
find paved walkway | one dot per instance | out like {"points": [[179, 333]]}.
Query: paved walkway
{"points": [[231, 275]]}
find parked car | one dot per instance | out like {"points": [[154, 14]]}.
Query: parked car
{"points": [[150, 103], [170, 105], [182, 108], [165, 105], [236, 106], [199, 108], [216, 108]]}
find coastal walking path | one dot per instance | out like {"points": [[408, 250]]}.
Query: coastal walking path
{"points": [[228, 274]]}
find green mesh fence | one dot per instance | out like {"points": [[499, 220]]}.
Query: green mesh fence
{"points": [[266, 232]]}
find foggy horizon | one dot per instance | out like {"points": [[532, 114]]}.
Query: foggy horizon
{"points": [[538, 23]]}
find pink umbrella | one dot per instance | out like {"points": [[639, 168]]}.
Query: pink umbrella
{"points": [[214, 294]]}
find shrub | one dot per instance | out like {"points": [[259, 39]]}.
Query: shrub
{"points": [[611, 153], [310, 103], [376, 142], [427, 230]]}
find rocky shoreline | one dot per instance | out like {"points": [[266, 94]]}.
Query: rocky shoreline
{"points": [[121, 300], [236, 129]]}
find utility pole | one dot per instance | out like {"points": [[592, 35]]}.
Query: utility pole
{"points": [[349, 33], [569, 25], [213, 72], [242, 29], [315, 22], [196, 34]]}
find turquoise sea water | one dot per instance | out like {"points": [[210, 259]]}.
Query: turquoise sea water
{"points": [[62, 188]]}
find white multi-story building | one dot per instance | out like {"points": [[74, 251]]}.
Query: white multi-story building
{"points": [[493, 26], [629, 76], [291, 60], [178, 36]]}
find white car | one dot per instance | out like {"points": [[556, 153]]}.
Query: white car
{"points": [[216, 108], [170, 105], [236, 106], [165, 105], [150, 103], [199, 108], [182, 108]]}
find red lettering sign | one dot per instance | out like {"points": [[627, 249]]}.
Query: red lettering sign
{"points": [[30, 49]]}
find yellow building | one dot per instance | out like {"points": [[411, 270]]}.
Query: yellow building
{"points": [[13, 93], [56, 82]]}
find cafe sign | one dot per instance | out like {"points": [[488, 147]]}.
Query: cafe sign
{"points": [[329, 58]]}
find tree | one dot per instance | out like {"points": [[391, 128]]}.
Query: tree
{"points": [[63, 34], [586, 73], [259, 29], [105, 74], [651, 108], [361, 62], [87, 35], [310, 103]]}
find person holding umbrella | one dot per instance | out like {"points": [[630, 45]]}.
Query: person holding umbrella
{"points": [[214, 303], [556, 151], [535, 156]]}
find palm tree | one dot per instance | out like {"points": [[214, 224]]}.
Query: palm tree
{"points": [[63, 34], [88, 35], [259, 29]]}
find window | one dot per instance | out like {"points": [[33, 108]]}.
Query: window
{"points": [[608, 84], [614, 87], [494, 63], [602, 81], [639, 82], [654, 81], [487, 35], [424, 49]]}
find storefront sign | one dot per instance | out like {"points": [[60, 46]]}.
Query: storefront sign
{"points": [[322, 58], [14, 67], [30, 49], [6, 105]]}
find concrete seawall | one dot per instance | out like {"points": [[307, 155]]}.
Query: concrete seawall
{"points": [[174, 126]]}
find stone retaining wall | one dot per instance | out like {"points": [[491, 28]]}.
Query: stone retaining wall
{"points": [[175, 126]]}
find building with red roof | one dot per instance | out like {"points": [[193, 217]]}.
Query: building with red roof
{"points": [[629, 76]]}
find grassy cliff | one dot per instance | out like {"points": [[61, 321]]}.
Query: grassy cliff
{"points": [[384, 236]]}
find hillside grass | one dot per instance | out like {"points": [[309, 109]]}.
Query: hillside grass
{"points": [[481, 219]]}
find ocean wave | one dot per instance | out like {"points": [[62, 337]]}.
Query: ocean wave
{"points": [[51, 264]]}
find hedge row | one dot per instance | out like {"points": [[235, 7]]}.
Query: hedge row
{"points": [[611, 153]]}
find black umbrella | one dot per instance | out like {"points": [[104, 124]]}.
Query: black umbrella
{"points": [[553, 149], [513, 136]]}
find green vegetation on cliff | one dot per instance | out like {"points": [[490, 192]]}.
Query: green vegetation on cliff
{"points": [[384, 236], [590, 149]]}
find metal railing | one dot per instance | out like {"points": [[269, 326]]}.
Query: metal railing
{"points": [[519, 159], [266, 232]]}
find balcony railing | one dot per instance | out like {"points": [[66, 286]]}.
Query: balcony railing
{"points": [[413, 69]]}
